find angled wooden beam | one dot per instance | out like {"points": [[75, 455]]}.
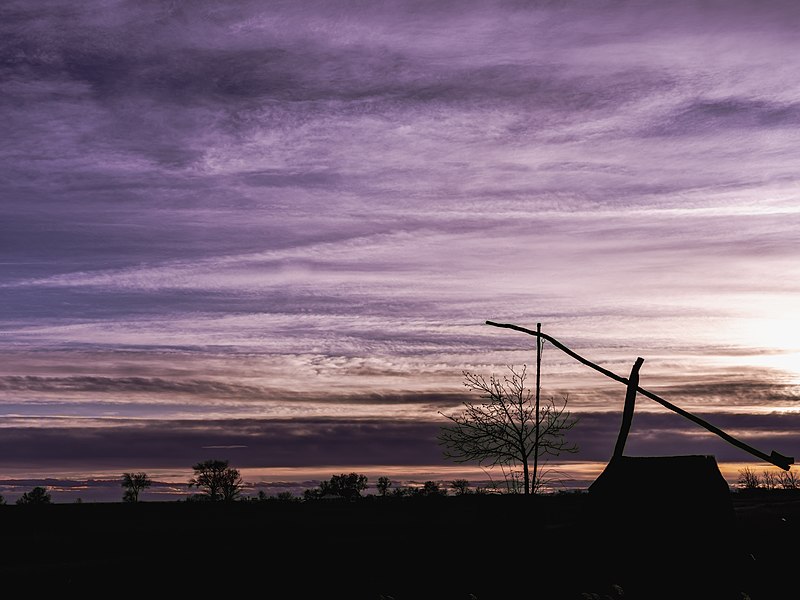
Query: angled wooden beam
{"points": [[775, 458], [627, 411]]}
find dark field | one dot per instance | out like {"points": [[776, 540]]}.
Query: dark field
{"points": [[492, 547]]}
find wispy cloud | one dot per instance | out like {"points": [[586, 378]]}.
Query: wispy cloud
{"points": [[126, 385]]}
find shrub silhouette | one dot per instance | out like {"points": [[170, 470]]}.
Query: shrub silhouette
{"points": [[345, 485], [37, 495], [384, 483]]}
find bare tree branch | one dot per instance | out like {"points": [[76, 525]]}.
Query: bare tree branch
{"points": [[502, 429]]}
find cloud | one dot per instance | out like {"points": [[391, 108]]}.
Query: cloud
{"points": [[718, 116], [260, 443], [228, 447], [735, 390], [247, 443], [127, 385]]}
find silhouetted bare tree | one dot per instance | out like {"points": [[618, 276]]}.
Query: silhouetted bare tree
{"points": [[37, 495], [133, 484], [749, 479], [502, 430], [770, 479], [219, 481], [789, 480]]}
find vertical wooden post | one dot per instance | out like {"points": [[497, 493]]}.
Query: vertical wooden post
{"points": [[627, 411], [539, 343]]}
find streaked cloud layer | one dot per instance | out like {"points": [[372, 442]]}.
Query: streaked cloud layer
{"points": [[294, 210]]}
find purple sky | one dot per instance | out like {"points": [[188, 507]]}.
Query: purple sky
{"points": [[272, 231]]}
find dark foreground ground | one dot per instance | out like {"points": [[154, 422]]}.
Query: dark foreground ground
{"points": [[481, 547]]}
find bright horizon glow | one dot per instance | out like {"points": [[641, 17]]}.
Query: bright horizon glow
{"points": [[171, 485]]}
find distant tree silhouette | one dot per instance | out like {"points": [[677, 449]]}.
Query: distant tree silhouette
{"points": [[133, 484], [384, 483], [502, 430], [402, 492], [749, 479], [430, 488], [461, 486], [770, 480], [219, 481], [285, 496], [345, 485], [232, 484], [789, 481], [2, 500], [37, 495]]}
